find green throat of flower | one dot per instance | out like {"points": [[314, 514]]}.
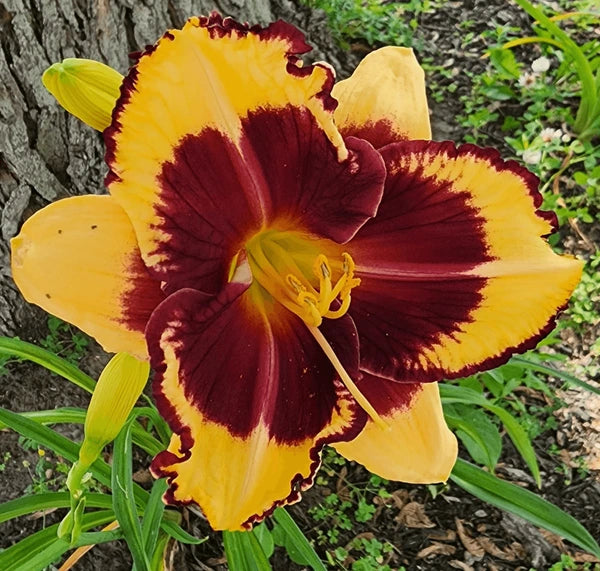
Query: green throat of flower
{"points": [[290, 268]]}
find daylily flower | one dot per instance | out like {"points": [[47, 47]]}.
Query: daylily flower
{"points": [[298, 261]]}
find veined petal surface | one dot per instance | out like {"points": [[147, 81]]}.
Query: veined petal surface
{"points": [[455, 271], [384, 100], [78, 259], [221, 132], [252, 401], [418, 448]]}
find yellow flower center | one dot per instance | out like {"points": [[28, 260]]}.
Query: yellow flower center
{"points": [[290, 268]]}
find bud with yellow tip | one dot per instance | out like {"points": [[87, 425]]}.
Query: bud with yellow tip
{"points": [[116, 392], [85, 88], [118, 388]]}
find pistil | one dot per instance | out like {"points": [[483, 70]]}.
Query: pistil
{"points": [[346, 379]]}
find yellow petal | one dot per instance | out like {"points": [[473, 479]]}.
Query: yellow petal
{"points": [[418, 448], [384, 100], [210, 82], [478, 282], [78, 259], [85, 88], [118, 388]]}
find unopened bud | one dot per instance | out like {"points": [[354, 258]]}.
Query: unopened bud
{"points": [[118, 388], [85, 88]]}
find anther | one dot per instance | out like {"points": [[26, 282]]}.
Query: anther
{"points": [[295, 283]]}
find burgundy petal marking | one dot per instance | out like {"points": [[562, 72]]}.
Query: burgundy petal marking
{"points": [[379, 133], [238, 369], [387, 396], [142, 296], [412, 258], [212, 196], [305, 180]]}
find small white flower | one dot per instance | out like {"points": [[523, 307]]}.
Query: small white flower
{"points": [[540, 64], [566, 138], [549, 134], [532, 157], [527, 79]]}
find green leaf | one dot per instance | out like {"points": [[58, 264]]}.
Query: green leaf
{"points": [[520, 439], [287, 534], [498, 92], [158, 422], [49, 500], [153, 515], [99, 469], [18, 557], [523, 503], [124, 500], [72, 415], [453, 394], [63, 447], [40, 559], [244, 552], [177, 532], [505, 62], [18, 348], [156, 562], [551, 371], [477, 432], [262, 533]]}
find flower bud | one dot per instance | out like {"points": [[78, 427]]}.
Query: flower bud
{"points": [[118, 388], [85, 88], [116, 392]]}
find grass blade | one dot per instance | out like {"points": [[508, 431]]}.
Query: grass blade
{"points": [[243, 552], [50, 500], [552, 372], [175, 531], [451, 394], [520, 439], [18, 348], [523, 503], [73, 415], [296, 540], [153, 513], [64, 447], [18, 557], [124, 503]]}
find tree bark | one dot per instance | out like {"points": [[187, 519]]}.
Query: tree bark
{"points": [[45, 154]]}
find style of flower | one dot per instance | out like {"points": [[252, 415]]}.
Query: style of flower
{"points": [[297, 260]]}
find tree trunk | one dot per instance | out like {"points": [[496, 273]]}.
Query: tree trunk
{"points": [[45, 154]]}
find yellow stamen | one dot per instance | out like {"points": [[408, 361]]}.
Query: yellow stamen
{"points": [[345, 378], [280, 263], [319, 305]]}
